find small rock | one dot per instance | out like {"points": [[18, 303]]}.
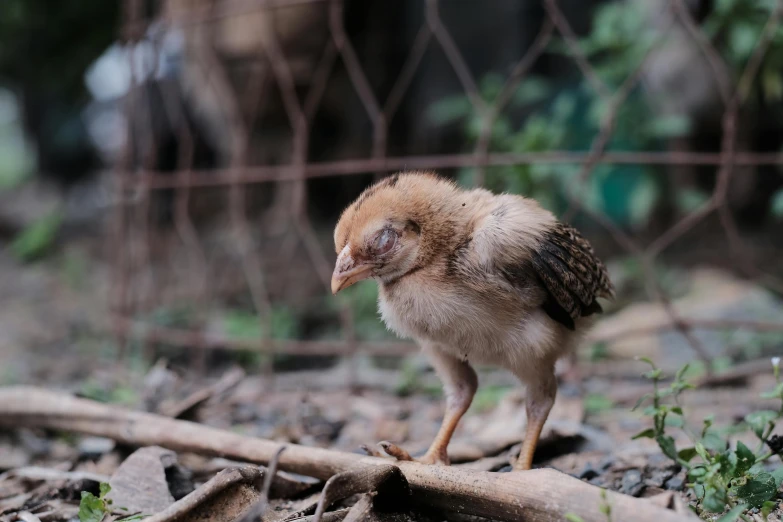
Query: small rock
{"points": [[606, 463], [675, 483], [632, 483], [658, 477], [13, 457], [598, 481], [180, 480], [140, 485], [658, 460], [34, 444], [245, 412], [588, 472]]}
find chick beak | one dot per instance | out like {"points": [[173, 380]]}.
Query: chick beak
{"points": [[348, 270]]}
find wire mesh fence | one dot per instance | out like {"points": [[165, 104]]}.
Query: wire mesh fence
{"points": [[236, 227]]}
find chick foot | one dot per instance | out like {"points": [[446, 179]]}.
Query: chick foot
{"points": [[398, 453]]}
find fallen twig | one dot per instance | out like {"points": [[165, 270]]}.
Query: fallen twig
{"points": [[203, 340], [538, 496], [365, 479], [360, 511], [26, 516], [184, 408], [260, 505], [223, 499]]}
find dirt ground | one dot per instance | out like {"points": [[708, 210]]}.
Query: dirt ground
{"points": [[53, 334]]}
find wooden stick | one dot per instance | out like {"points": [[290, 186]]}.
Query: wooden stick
{"points": [[541, 495]]}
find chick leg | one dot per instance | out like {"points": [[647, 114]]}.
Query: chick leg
{"points": [[459, 383], [540, 398]]}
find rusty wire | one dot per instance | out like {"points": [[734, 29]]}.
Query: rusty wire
{"points": [[240, 108]]}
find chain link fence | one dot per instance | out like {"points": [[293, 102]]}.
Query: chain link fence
{"points": [[231, 176]]}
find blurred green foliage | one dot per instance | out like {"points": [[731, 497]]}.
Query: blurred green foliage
{"points": [[487, 397], [45, 49], [545, 116], [777, 205], [362, 299], [48, 45], [242, 324], [736, 26], [32, 242], [596, 403], [101, 392], [17, 158], [237, 323], [75, 268], [411, 381]]}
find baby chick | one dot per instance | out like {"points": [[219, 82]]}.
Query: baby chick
{"points": [[472, 277]]}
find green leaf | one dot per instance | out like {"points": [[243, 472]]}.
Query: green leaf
{"points": [[713, 442], [772, 83], [708, 420], [91, 508], [666, 443], [728, 465], [649, 434], [671, 126], [777, 204], [767, 508], [725, 6], [643, 199], [774, 394], [758, 490], [573, 517], [697, 472], [681, 372], [34, 240], [640, 400], [742, 39], [687, 454], [105, 488], [759, 420], [532, 90], [689, 200], [745, 458], [596, 402], [778, 476], [449, 110], [647, 360], [714, 500], [733, 514], [702, 451]]}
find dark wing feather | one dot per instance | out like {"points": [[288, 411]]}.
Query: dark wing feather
{"points": [[572, 275]]}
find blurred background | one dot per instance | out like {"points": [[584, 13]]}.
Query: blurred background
{"points": [[171, 172]]}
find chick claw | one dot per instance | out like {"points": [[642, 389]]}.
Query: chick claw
{"points": [[402, 455]]}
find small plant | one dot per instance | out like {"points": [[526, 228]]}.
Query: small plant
{"points": [[95, 509], [719, 476]]}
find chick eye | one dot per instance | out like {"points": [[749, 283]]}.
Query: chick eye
{"points": [[385, 241]]}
